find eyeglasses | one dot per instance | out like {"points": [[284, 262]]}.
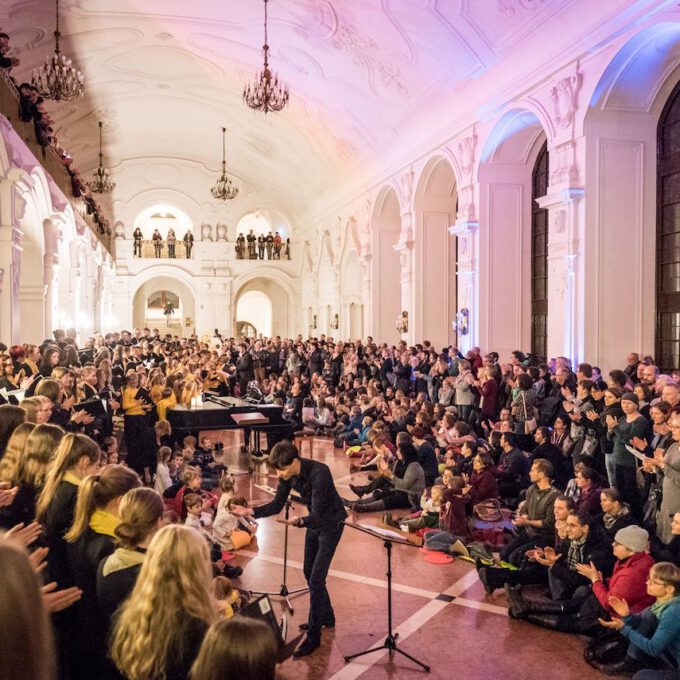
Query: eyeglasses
{"points": [[656, 583]]}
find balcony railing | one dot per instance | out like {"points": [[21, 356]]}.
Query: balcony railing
{"points": [[45, 155], [161, 250]]}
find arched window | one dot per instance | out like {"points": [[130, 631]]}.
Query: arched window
{"points": [[668, 236], [539, 257]]}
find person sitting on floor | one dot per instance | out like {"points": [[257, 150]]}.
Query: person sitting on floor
{"points": [[400, 488], [584, 546], [653, 634]]}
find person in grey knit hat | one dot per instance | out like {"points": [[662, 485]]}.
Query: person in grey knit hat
{"points": [[633, 537]]}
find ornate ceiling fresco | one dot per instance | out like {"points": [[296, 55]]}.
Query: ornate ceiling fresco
{"points": [[166, 75]]}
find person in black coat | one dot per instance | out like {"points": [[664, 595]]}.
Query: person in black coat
{"points": [[426, 455], [158, 630], [324, 522], [244, 370], [90, 540], [141, 515], [562, 467], [315, 361], [584, 545], [402, 371]]}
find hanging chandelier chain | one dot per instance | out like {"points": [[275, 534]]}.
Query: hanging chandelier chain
{"points": [[58, 79], [224, 188], [101, 182], [57, 33], [266, 93]]}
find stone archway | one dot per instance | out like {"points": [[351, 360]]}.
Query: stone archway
{"points": [[279, 298], [385, 231], [505, 179], [182, 322], [435, 303]]}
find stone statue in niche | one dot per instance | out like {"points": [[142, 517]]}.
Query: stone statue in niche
{"points": [[564, 96], [206, 232], [119, 231], [560, 221], [221, 230]]}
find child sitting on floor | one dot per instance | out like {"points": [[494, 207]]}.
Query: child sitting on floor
{"points": [[228, 598], [199, 519], [428, 518], [233, 531]]}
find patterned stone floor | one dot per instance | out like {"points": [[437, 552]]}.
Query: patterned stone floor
{"points": [[441, 612]]}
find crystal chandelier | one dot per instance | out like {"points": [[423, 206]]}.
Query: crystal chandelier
{"points": [[101, 182], [224, 188], [266, 93], [57, 78]]}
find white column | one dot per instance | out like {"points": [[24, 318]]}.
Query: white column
{"points": [[565, 264], [467, 276]]}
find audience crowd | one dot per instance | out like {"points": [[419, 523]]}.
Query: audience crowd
{"points": [[560, 484]]}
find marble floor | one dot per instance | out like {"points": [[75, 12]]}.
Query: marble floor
{"points": [[441, 612]]}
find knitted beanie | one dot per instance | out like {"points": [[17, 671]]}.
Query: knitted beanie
{"points": [[632, 537]]}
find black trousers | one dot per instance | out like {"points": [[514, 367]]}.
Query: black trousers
{"points": [[319, 550], [626, 484]]}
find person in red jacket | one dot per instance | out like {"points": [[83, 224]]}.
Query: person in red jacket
{"points": [[580, 613], [629, 578], [483, 484]]}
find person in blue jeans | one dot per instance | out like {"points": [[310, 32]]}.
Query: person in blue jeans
{"points": [[653, 634]]}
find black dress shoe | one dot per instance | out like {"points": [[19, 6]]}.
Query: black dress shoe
{"points": [[358, 490], [328, 624], [232, 572], [306, 648], [516, 609]]}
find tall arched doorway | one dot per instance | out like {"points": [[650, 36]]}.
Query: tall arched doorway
{"points": [[668, 235], [151, 300], [539, 257], [254, 314], [385, 230], [506, 175], [264, 304], [435, 270]]}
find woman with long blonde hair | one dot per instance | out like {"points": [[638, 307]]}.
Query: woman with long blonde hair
{"points": [[9, 464], [26, 645], [90, 540], [160, 627], [31, 471], [141, 516]]}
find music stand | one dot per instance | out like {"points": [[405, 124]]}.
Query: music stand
{"points": [[285, 593], [390, 643]]}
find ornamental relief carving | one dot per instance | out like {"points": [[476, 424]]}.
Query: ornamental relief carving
{"points": [[510, 7], [405, 183], [564, 98], [465, 154]]}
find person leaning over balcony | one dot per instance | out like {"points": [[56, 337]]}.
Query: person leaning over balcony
{"points": [[157, 242], [137, 236], [172, 241], [188, 243]]}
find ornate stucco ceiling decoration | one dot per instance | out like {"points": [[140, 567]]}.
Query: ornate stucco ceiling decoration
{"points": [[166, 75]]}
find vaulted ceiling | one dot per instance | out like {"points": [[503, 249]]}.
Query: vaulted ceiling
{"points": [[166, 75]]}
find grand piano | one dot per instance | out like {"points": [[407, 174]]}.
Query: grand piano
{"points": [[230, 413]]}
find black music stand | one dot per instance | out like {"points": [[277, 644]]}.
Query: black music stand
{"points": [[391, 640], [284, 592]]}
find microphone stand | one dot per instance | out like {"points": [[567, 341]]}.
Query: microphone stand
{"points": [[391, 640], [285, 593]]}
